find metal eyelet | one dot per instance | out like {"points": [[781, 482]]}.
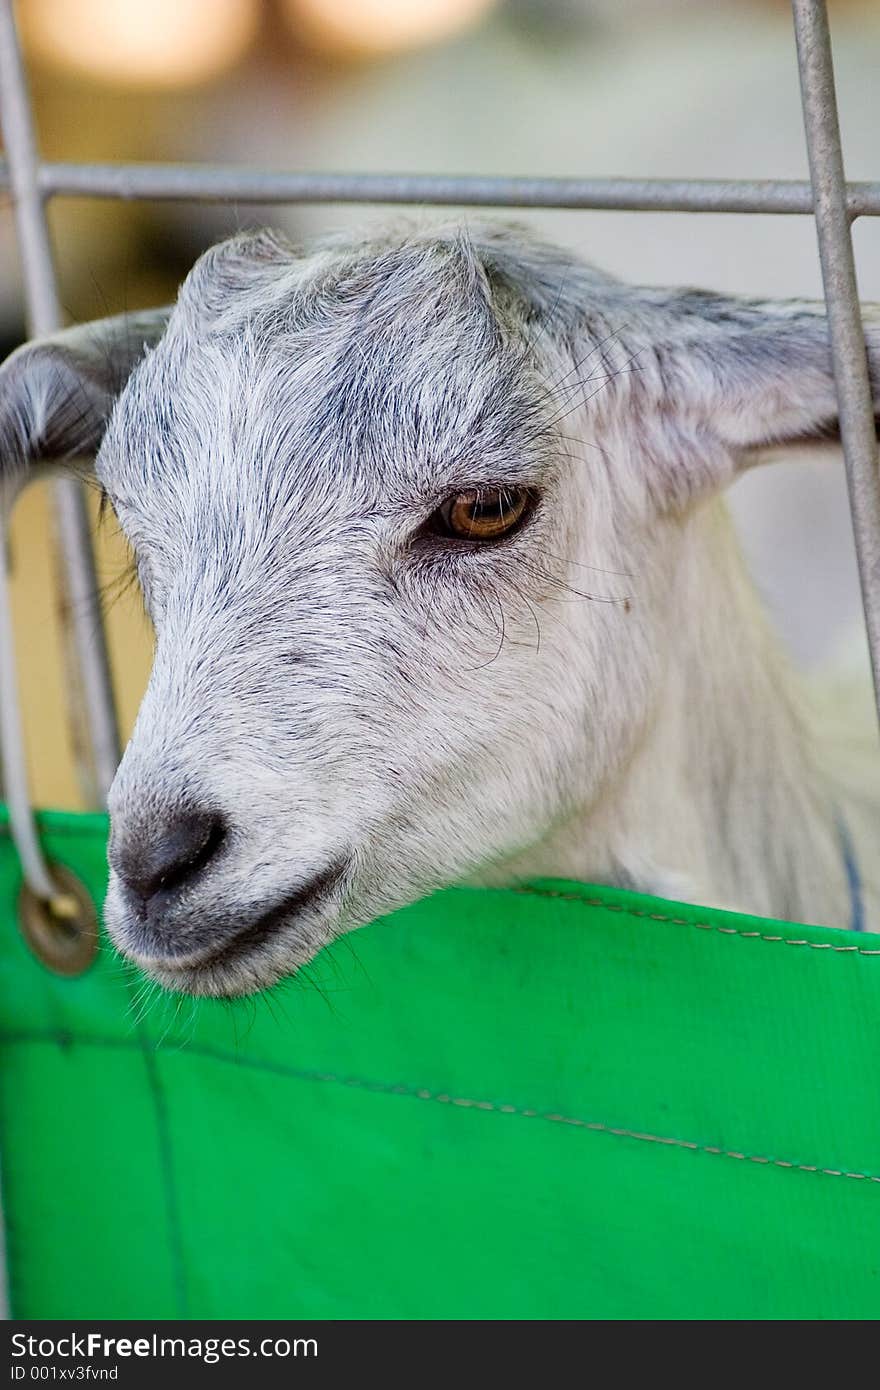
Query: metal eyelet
{"points": [[61, 931]]}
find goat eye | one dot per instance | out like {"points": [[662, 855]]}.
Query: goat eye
{"points": [[484, 514]]}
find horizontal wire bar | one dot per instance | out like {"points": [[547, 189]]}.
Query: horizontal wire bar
{"points": [[217, 183]]}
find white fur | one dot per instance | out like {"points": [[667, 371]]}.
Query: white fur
{"points": [[597, 698]]}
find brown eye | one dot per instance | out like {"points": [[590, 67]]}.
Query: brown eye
{"points": [[485, 514]]}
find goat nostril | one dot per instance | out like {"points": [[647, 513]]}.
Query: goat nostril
{"points": [[175, 854]]}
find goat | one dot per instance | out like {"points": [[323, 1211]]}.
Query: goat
{"points": [[429, 529]]}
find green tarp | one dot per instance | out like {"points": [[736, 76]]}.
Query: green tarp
{"points": [[560, 1102]]}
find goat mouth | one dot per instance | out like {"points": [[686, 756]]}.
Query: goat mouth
{"points": [[218, 963]]}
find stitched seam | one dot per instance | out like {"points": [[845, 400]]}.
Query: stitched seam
{"points": [[150, 1056], [686, 922], [443, 1098]]}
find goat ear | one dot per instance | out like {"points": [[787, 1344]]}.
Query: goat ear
{"points": [[755, 374], [56, 393]]}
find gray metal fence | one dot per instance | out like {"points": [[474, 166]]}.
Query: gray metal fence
{"points": [[32, 182]]}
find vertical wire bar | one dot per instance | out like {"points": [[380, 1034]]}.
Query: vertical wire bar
{"points": [[848, 350], [90, 696], [15, 778]]}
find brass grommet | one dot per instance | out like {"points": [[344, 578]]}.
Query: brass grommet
{"points": [[61, 931]]}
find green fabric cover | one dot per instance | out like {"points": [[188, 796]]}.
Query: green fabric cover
{"points": [[561, 1102]]}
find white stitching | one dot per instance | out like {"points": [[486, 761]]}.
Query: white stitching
{"points": [[465, 1103], [685, 922]]}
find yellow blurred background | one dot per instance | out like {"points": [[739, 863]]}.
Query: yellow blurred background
{"points": [[706, 88], [38, 628]]}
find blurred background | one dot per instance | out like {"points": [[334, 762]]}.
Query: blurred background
{"points": [[701, 88]]}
